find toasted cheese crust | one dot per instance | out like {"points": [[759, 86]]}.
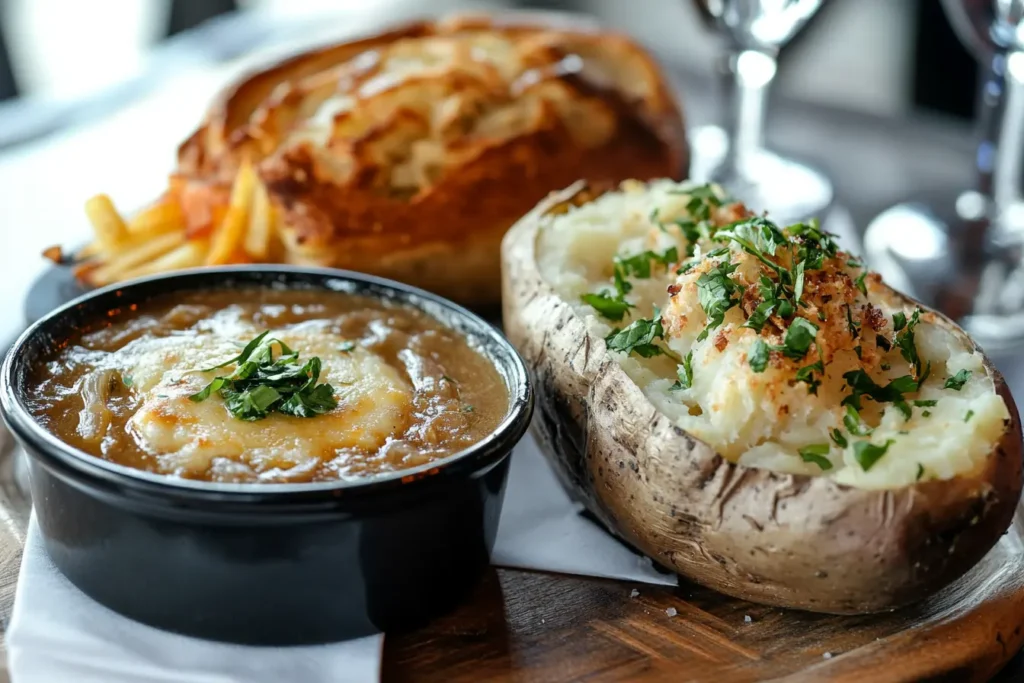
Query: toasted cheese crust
{"points": [[399, 153], [190, 438]]}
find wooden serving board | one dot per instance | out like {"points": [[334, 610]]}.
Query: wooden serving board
{"points": [[540, 627]]}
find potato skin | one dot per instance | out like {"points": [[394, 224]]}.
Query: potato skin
{"points": [[788, 540]]}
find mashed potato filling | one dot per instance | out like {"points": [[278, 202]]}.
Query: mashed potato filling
{"points": [[768, 342]]}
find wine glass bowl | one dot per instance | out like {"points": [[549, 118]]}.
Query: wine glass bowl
{"points": [[734, 154], [759, 24], [980, 278], [987, 25]]}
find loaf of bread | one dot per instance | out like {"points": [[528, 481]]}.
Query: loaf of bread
{"points": [[409, 154]]}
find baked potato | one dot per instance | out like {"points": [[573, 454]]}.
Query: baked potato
{"points": [[407, 154], [752, 408]]}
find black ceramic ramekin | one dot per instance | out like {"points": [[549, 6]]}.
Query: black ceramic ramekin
{"points": [[266, 563]]}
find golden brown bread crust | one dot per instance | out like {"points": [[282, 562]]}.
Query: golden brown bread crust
{"points": [[410, 153]]}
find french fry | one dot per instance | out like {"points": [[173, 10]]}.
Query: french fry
{"points": [[261, 222], [136, 255], [90, 250], [107, 223], [188, 255], [164, 216], [228, 235]]}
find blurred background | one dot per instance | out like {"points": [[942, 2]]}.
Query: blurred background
{"points": [[884, 57], [95, 95]]}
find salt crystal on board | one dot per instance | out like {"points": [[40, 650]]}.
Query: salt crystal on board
{"points": [[671, 611], [747, 619], [827, 655], [634, 593]]}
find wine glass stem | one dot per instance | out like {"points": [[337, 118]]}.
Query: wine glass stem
{"points": [[749, 74], [1003, 130]]}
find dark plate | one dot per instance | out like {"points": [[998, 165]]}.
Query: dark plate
{"points": [[267, 563], [54, 288]]}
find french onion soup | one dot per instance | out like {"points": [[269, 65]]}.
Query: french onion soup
{"points": [[265, 385]]}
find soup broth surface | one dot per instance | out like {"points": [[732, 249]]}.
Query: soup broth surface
{"points": [[405, 390]]}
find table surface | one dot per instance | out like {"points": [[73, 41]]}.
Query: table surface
{"points": [[557, 627]]}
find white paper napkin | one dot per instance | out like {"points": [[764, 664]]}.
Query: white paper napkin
{"points": [[541, 528], [58, 634]]}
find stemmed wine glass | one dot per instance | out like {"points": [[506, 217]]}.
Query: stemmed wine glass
{"points": [[962, 252], [754, 31]]}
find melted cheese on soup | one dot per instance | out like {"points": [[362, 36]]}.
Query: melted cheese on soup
{"points": [[408, 390], [374, 404]]}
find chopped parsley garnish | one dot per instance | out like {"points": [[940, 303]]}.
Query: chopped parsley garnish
{"points": [[957, 381], [685, 373], [797, 341], [760, 316], [612, 305], [691, 231], [968, 416], [920, 471], [816, 453], [904, 341], [867, 454], [713, 254], [639, 337], [799, 338], [702, 200], [839, 439], [854, 327], [608, 305], [860, 284], [926, 403], [760, 238], [127, 380], [854, 424], [775, 294], [816, 244], [639, 265], [758, 356], [926, 413], [798, 277], [261, 384], [863, 385], [715, 290], [806, 375], [347, 346]]}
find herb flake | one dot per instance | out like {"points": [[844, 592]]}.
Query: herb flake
{"points": [[957, 381], [867, 454], [262, 384], [816, 453]]}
